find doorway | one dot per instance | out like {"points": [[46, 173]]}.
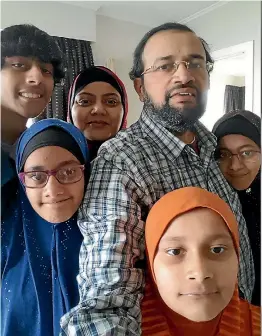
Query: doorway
{"points": [[233, 66]]}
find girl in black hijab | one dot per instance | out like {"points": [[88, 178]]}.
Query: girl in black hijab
{"points": [[238, 154]]}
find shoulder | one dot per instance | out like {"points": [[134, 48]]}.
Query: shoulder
{"points": [[130, 148], [255, 313], [153, 320], [125, 139], [205, 136], [7, 168], [252, 317]]}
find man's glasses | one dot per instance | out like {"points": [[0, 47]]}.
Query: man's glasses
{"points": [[171, 67], [39, 179]]}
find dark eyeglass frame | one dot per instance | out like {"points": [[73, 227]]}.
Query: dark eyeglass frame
{"points": [[229, 158], [48, 174], [154, 68]]}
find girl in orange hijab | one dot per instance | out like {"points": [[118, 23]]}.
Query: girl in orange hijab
{"points": [[193, 249]]}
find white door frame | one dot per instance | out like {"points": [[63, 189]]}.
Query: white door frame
{"points": [[247, 49]]}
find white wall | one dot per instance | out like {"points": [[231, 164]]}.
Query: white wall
{"points": [[215, 102], [117, 39], [58, 19], [235, 80], [234, 23]]}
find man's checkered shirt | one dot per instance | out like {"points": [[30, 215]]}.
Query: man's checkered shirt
{"points": [[131, 172]]}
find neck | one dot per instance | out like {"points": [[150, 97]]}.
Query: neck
{"points": [[187, 137], [94, 146], [182, 326], [12, 125]]}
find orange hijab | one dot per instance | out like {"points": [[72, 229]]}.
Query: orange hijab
{"points": [[239, 318]]}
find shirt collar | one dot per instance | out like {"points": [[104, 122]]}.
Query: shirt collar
{"points": [[169, 143]]}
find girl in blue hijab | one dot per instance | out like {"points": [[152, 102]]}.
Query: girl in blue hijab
{"points": [[40, 237]]}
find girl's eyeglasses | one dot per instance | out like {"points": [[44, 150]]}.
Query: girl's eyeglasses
{"points": [[39, 179]]}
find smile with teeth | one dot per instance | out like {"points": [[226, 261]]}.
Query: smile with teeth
{"points": [[30, 95], [185, 94]]}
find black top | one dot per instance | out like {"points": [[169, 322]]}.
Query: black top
{"points": [[250, 201]]}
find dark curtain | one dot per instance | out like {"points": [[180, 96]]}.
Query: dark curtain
{"points": [[234, 98], [77, 56]]}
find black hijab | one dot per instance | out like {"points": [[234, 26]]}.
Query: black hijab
{"points": [[91, 75]]}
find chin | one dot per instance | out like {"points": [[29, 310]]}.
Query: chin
{"points": [[26, 113], [204, 317], [56, 219], [97, 137], [240, 186], [183, 106]]}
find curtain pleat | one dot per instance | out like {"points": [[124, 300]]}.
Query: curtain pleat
{"points": [[234, 98], [77, 57]]}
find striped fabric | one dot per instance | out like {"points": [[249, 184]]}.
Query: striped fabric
{"points": [[238, 319], [132, 171], [78, 56], [153, 321]]}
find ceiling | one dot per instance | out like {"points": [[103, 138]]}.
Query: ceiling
{"points": [[150, 13]]}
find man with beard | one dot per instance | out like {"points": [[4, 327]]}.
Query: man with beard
{"points": [[166, 149]]}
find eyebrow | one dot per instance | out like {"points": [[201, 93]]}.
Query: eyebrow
{"points": [[239, 148], [61, 164], [164, 58], [171, 57], [86, 94], [181, 238], [110, 94], [198, 56], [93, 95], [24, 59]]}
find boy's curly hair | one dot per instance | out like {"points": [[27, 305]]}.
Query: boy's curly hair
{"points": [[29, 41]]}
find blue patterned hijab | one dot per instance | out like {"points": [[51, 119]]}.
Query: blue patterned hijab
{"points": [[39, 260]]}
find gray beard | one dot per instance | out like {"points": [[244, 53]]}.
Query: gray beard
{"points": [[174, 119]]}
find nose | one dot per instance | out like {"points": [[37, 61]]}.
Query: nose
{"points": [[182, 75], [53, 188], [98, 108], [198, 269], [235, 163], [34, 75]]}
